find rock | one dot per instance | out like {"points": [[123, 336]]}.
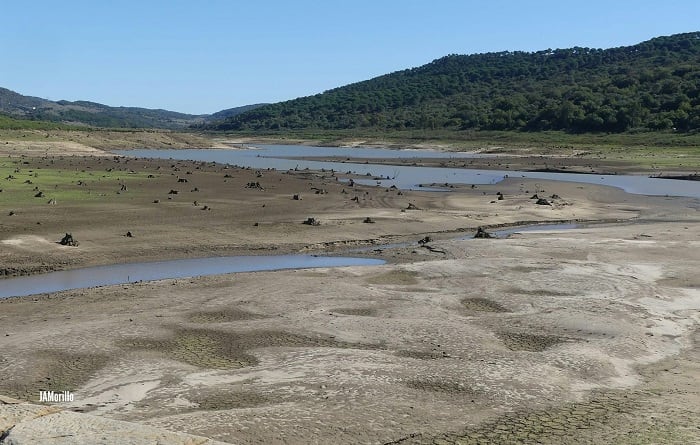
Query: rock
{"points": [[296, 197], [368, 220], [424, 240], [129, 235], [35, 424], [534, 196], [543, 202], [412, 206]]}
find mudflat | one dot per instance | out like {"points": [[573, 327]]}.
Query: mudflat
{"points": [[586, 335]]}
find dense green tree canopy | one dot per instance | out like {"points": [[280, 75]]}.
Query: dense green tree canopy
{"points": [[654, 85]]}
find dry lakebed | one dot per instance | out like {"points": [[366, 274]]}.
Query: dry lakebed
{"points": [[583, 333]]}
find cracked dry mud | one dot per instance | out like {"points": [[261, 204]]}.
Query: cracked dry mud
{"points": [[613, 417]]}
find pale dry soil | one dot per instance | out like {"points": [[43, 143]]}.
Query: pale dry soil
{"points": [[544, 337], [580, 336]]}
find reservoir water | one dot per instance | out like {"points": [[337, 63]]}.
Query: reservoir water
{"points": [[285, 157]]}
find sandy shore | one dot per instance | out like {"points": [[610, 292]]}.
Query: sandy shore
{"points": [[579, 336]]}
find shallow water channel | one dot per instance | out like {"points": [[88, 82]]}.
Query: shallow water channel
{"points": [[159, 270], [192, 267]]}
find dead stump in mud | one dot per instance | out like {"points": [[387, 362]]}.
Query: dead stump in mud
{"points": [[481, 233], [68, 240], [312, 222], [254, 185]]}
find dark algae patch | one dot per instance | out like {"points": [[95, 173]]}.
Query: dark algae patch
{"points": [[225, 350], [222, 316], [518, 341], [482, 305], [359, 312], [53, 370]]}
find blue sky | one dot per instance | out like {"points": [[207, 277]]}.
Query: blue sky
{"points": [[207, 55]]}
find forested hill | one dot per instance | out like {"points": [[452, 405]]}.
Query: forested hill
{"points": [[650, 86]]}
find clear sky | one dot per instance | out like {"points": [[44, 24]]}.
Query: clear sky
{"points": [[206, 55]]}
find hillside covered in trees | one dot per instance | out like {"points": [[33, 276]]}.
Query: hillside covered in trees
{"points": [[654, 85]]}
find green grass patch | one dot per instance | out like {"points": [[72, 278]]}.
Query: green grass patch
{"points": [[21, 183]]}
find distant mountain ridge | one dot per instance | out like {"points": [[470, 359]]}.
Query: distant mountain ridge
{"points": [[654, 85], [98, 115], [91, 113]]}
